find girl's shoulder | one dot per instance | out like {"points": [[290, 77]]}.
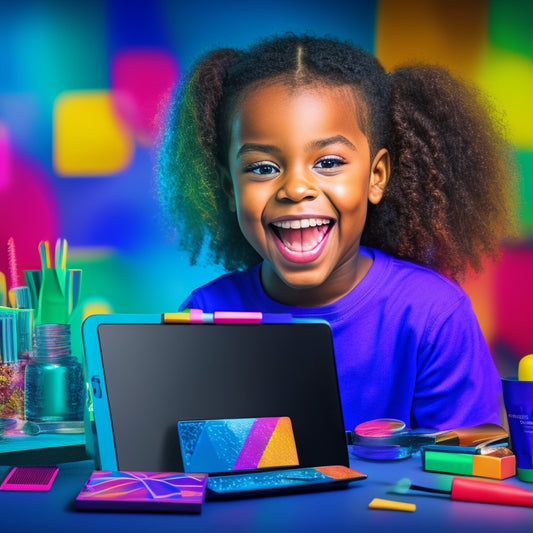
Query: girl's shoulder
{"points": [[400, 278], [405, 293]]}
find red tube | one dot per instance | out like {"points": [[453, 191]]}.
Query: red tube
{"points": [[487, 491]]}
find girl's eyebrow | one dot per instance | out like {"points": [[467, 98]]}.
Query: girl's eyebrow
{"points": [[313, 145], [323, 143], [255, 147]]}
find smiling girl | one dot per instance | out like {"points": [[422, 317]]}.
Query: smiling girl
{"points": [[332, 189]]}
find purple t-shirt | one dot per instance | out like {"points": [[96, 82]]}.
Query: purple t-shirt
{"points": [[407, 343]]}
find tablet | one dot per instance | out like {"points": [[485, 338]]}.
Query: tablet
{"points": [[149, 372]]}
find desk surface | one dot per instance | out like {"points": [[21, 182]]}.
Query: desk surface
{"points": [[335, 511]]}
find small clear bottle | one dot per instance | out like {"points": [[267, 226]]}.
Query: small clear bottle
{"points": [[55, 388]]}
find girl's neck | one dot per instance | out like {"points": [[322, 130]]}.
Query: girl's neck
{"points": [[335, 287]]}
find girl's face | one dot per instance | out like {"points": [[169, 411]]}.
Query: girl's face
{"points": [[301, 177]]}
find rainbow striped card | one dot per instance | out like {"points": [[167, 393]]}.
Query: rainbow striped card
{"points": [[226, 445]]}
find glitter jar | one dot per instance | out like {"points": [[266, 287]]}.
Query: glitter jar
{"points": [[54, 383]]}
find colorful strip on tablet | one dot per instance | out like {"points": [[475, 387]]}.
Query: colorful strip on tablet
{"points": [[237, 444]]}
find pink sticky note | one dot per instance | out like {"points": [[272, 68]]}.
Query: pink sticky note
{"points": [[513, 296], [143, 81], [4, 156], [30, 211]]}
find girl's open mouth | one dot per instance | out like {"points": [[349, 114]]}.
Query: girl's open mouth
{"points": [[301, 240]]}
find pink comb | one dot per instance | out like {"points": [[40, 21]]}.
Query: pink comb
{"points": [[30, 478], [12, 258]]}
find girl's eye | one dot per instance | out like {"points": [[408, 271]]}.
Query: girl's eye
{"points": [[327, 163], [262, 168]]}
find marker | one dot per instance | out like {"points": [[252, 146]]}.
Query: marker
{"points": [[518, 399], [197, 316]]}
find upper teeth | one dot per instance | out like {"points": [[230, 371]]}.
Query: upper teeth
{"points": [[303, 223]]}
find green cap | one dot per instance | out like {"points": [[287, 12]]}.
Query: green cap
{"points": [[525, 474]]}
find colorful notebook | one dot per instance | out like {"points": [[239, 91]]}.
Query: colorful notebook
{"points": [[143, 491]]}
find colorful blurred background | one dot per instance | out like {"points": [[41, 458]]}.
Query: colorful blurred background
{"points": [[84, 87]]}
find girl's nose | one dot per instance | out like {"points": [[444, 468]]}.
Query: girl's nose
{"points": [[296, 187]]}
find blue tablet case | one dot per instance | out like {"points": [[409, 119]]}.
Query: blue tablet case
{"points": [[146, 375]]}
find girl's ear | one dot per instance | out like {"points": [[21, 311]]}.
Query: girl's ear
{"points": [[379, 176], [227, 187]]}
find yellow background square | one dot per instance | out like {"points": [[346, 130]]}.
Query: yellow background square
{"points": [[88, 138]]}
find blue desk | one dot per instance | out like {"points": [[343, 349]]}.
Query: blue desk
{"points": [[334, 511]]}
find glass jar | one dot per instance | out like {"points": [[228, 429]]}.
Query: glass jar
{"points": [[54, 382]]}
